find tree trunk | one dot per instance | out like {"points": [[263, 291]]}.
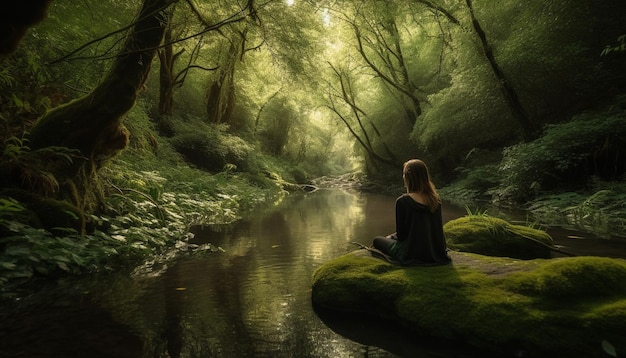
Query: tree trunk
{"points": [[221, 97], [529, 126], [166, 76], [93, 124]]}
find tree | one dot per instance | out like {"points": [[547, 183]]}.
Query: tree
{"points": [[92, 124], [380, 36], [379, 39], [355, 118], [182, 31], [221, 97], [167, 76], [221, 93], [509, 93]]}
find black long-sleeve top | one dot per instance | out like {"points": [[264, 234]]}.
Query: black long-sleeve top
{"points": [[420, 236]]}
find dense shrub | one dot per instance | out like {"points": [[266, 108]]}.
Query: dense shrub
{"points": [[209, 147], [592, 144]]}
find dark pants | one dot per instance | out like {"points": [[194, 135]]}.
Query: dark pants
{"points": [[383, 243]]}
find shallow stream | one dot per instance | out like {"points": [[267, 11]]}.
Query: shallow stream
{"points": [[251, 298]]}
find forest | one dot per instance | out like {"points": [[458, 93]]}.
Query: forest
{"points": [[125, 123]]}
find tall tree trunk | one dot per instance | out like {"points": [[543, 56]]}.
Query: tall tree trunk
{"points": [[528, 125], [221, 96], [166, 75], [93, 124]]}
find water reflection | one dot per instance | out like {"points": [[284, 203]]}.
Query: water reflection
{"points": [[261, 283], [250, 300]]}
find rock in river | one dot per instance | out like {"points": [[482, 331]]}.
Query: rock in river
{"points": [[559, 307]]}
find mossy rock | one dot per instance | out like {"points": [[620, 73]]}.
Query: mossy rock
{"points": [[487, 235], [562, 307]]}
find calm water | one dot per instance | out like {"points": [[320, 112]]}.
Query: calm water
{"points": [[251, 299]]}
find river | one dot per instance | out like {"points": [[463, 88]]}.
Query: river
{"points": [[248, 298]]}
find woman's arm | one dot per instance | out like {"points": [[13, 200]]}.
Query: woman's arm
{"points": [[402, 229]]}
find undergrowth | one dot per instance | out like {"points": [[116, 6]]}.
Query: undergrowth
{"points": [[572, 176], [151, 199]]}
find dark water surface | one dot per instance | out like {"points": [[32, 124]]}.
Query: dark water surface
{"points": [[251, 299]]}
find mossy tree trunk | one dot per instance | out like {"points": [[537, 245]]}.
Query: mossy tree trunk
{"points": [[221, 97], [93, 124]]}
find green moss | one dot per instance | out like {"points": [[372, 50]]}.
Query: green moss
{"points": [[573, 278], [493, 236], [376, 283], [557, 307]]}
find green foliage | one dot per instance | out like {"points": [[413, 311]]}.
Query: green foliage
{"points": [[143, 136], [602, 211], [145, 216], [33, 169], [592, 212], [26, 93], [200, 149], [151, 198], [548, 52], [86, 37], [473, 184], [8, 207], [566, 155], [278, 119], [208, 146], [449, 126], [28, 252], [551, 52]]}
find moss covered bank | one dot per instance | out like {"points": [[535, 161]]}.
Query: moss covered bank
{"points": [[560, 307]]}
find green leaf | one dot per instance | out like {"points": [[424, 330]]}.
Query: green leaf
{"points": [[110, 250], [63, 266], [17, 251], [23, 273], [121, 238], [60, 258], [8, 265], [609, 348]]}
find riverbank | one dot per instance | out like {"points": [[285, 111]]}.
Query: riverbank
{"points": [[598, 210], [573, 175], [149, 205]]}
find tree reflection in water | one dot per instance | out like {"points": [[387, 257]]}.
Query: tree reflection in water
{"points": [[251, 299]]}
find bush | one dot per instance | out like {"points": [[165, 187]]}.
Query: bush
{"points": [[566, 156], [208, 147]]}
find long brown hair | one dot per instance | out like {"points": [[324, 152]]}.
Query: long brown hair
{"points": [[417, 180]]}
